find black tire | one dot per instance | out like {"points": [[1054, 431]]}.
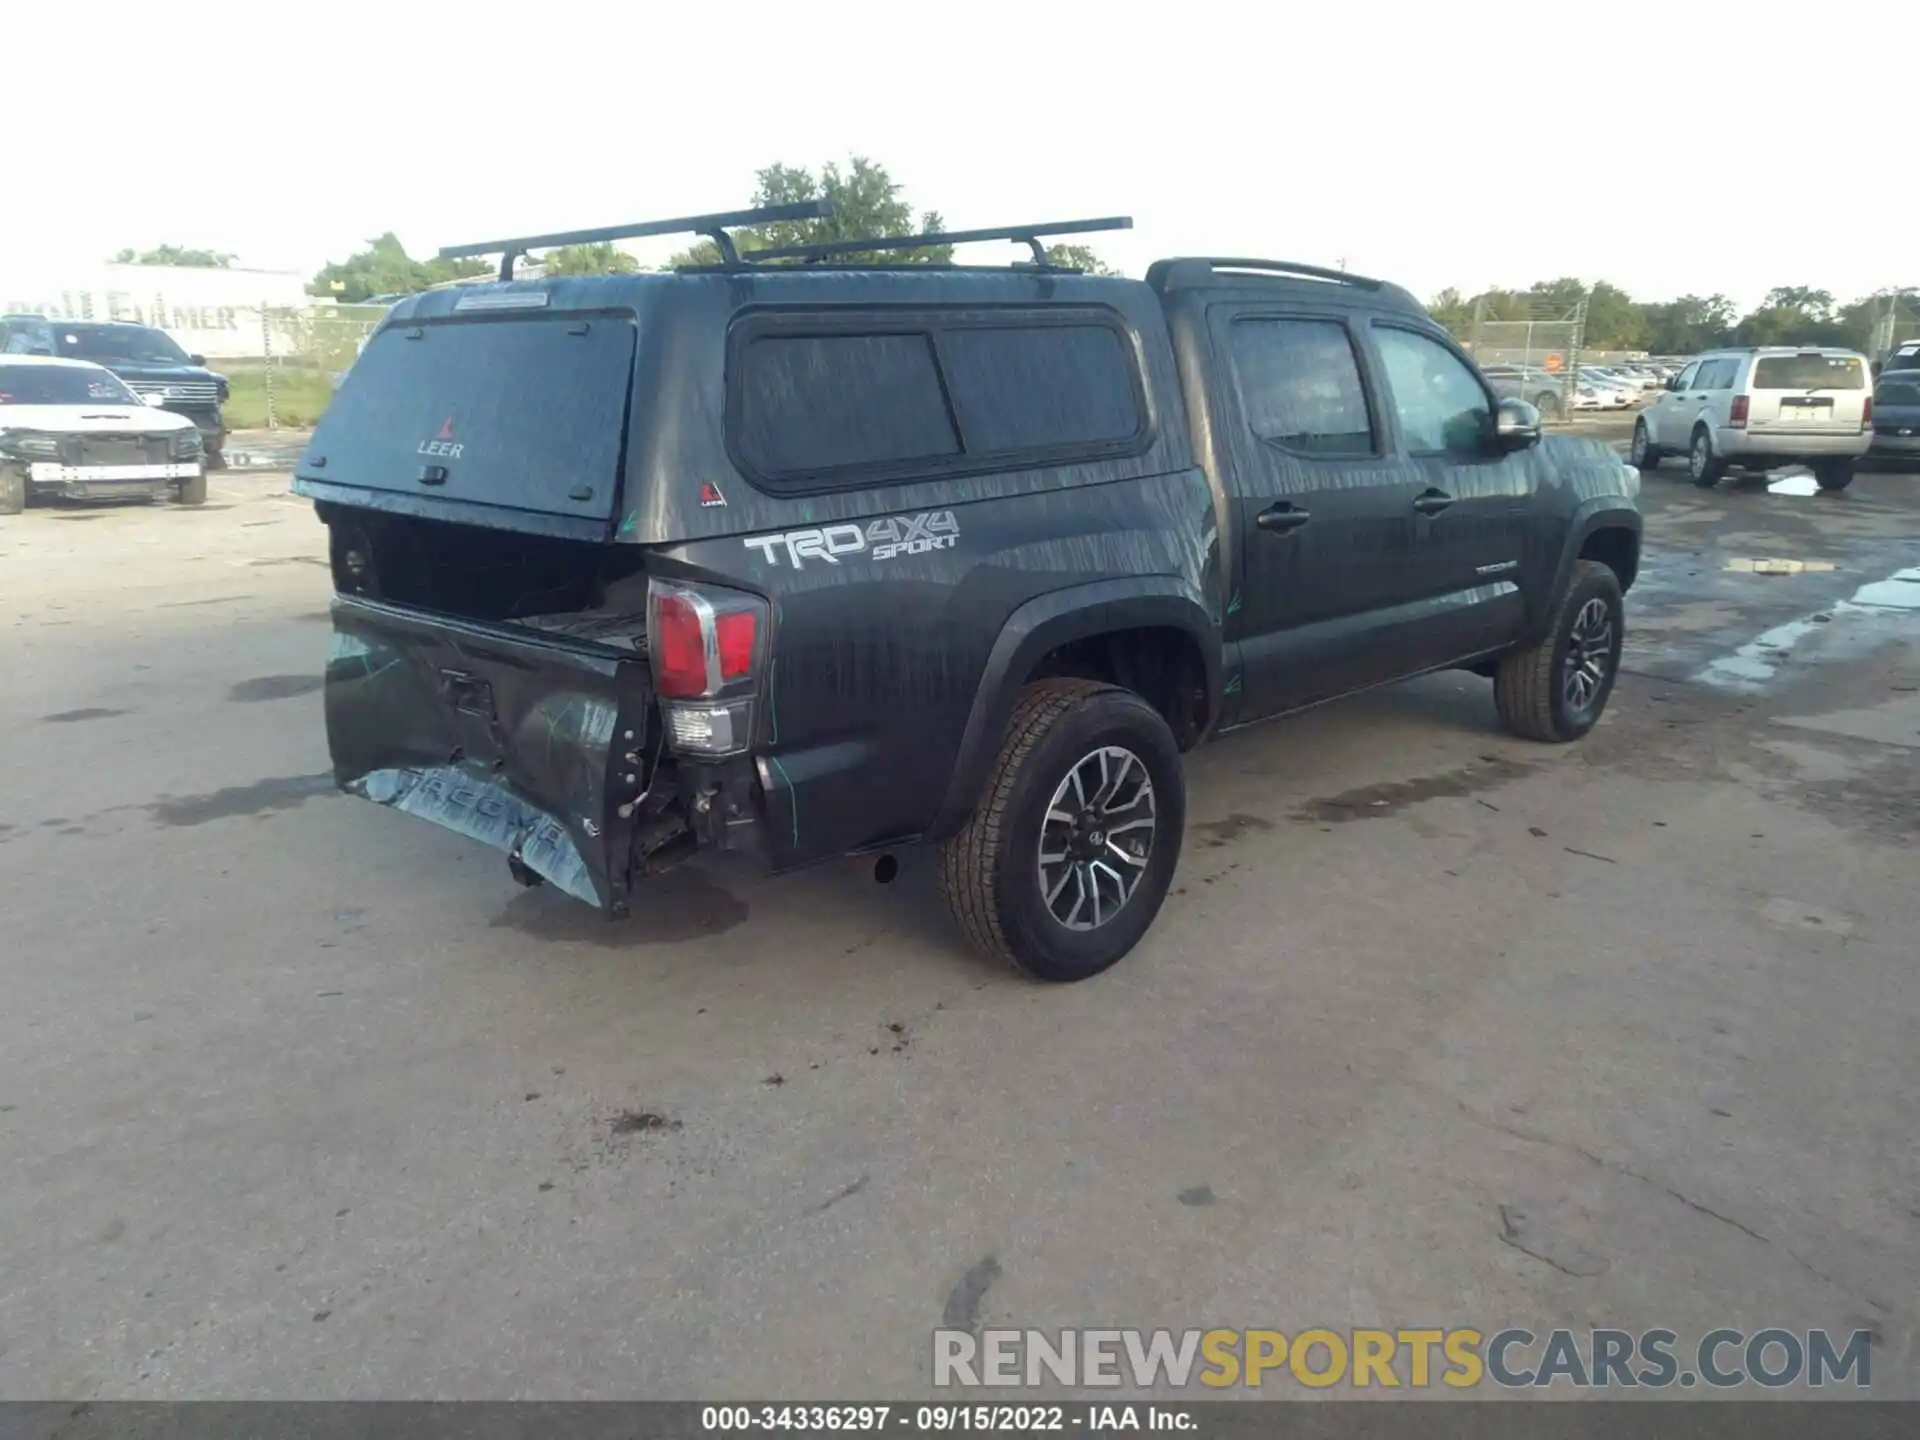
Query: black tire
{"points": [[192, 492], [1547, 402], [991, 872], [1645, 454], [1703, 466], [13, 492], [1833, 475], [1532, 687]]}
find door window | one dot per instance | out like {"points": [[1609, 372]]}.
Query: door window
{"points": [[1716, 375], [1442, 406], [1300, 386], [1687, 377]]}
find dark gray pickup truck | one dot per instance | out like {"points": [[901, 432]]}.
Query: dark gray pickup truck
{"points": [[816, 557]]}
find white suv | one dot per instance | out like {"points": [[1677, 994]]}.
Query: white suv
{"points": [[1761, 408]]}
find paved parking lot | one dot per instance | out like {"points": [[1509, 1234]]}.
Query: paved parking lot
{"points": [[301, 1098]]}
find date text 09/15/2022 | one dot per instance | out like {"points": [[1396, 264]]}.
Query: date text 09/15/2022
{"points": [[941, 1419]]}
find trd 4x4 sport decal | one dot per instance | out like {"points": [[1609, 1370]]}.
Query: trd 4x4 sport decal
{"points": [[878, 540]]}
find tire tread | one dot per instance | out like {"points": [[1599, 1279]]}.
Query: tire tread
{"points": [[1523, 690], [970, 860]]}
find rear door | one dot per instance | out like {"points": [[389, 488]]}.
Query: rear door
{"points": [[509, 421], [1812, 393], [1323, 509]]}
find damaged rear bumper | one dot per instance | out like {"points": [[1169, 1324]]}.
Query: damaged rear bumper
{"points": [[541, 747]]}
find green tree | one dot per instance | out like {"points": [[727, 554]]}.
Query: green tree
{"points": [[603, 258], [1450, 309], [1554, 298], [385, 268], [1079, 257], [866, 202], [1614, 320], [1689, 324], [1792, 315], [176, 255]]}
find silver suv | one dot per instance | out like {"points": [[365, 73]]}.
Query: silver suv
{"points": [[1760, 408]]}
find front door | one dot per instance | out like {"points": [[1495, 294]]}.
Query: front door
{"points": [[1670, 417], [1473, 502], [1323, 508]]}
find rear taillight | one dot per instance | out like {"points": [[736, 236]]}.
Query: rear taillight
{"points": [[707, 646], [1866, 414], [1738, 415], [678, 646]]}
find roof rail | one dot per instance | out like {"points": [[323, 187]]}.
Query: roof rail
{"points": [[1027, 234], [714, 227], [1187, 271]]}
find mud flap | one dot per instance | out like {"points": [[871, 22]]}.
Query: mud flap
{"points": [[531, 744]]}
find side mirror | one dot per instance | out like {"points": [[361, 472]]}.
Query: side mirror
{"points": [[1673, 383], [1516, 426], [199, 360]]}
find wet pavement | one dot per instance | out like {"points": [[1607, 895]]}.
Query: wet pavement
{"points": [[299, 1098]]}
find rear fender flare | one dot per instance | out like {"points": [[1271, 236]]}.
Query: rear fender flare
{"points": [[1044, 624]]}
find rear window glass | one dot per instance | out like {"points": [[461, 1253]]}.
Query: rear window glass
{"points": [[1809, 372], [928, 396], [527, 414], [1899, 389]]}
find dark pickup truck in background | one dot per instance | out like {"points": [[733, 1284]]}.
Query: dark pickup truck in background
{"points": [[828, 558], [151, 363]]}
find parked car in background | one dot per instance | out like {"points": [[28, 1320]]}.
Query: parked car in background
{"points": [[149, 360], [73, 430], [1896, 416], [1545, 392], [1585, 397], [1616, 393], [1904, 356], [1760, 408]]}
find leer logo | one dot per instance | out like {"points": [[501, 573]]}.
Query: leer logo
{"points": [[442, 444]]}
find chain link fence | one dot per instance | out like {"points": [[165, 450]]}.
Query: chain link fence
{"points": [[1534, 355], [295, 363]]}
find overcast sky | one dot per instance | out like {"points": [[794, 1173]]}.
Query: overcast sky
{"points": [[1432, 143]]}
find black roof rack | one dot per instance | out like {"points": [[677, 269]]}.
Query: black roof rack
{"points": [[1188, 271], [1027, 234], [714, 227]]}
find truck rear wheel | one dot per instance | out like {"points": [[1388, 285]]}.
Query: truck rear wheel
{"points": [[1068, 856], [192, 492]]}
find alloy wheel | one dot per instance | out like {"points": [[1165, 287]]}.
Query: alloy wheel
{"points": [[1589, 655], [1096, 838]]}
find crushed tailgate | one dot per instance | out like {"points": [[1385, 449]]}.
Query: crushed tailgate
{"points": [[514, 739]]}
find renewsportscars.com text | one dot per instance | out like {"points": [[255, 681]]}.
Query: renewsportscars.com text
{"points": [[1457, 1358]]}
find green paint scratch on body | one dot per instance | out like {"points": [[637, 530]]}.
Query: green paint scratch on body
{"points": [[1233, 605], [793, 803], [1233, 686], [628, 526]]}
